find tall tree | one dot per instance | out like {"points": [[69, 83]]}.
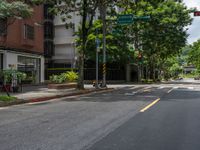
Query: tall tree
{"points": [[165, 33], [87, 10], [194, 54], [84, 8]]}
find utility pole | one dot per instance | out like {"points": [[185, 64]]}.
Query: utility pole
{"points": [[102, 9]]}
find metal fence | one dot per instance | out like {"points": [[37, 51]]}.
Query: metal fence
{"points": [[90, 73]]}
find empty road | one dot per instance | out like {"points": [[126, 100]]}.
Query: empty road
{"points": [[153, 117]]}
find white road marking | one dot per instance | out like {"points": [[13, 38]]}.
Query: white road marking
{"points": [[132, 88], [170, 90], [190, 88], [161, 87], [3, 108], [129, 94]]}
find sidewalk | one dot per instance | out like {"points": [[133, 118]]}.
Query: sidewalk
{"points": [[35, 92], [42, 93]]}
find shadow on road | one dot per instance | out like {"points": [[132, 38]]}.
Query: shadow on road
{"points": [[124, 94]]}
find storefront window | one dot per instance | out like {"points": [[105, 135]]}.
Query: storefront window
{"points": [[31, 66]]}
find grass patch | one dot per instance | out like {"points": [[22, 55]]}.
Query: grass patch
{"points": [[5, 98], [188, 75]]}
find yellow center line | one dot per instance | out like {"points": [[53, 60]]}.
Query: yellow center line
{"points": [[150, 105]]}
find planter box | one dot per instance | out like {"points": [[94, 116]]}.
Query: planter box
{"points": [[62, 86]]}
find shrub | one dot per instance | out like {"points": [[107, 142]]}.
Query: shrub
{"points": [[8, 74], [64, 77], [71, 76], [58, 79]]}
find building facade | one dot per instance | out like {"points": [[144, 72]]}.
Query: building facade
{"points": [[64, 41], [22, 45], [61, 49], [65, 55]]}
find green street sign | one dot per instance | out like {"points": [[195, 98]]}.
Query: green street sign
{"points": [[142, 18], [125, 19], [130, 18]]}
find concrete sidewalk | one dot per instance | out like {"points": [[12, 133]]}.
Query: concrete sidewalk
{"points": [[35, 92], [39, 93]]}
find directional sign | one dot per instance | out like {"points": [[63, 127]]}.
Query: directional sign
{"points": [[142, 18], [197, 13], [125, 19]]}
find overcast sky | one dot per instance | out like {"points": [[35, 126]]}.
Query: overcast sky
{"points": [[194, 29]]}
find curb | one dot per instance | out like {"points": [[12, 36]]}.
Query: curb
{"points": [[42, 99]]}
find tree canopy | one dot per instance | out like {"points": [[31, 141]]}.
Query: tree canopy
{"points": [[14, 9], [155, 40], [194, 54]]}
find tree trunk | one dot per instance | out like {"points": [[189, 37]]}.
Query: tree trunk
{"points": [[82, 51], [81, 71], [102, 8], [154, 72], [146, 72]]}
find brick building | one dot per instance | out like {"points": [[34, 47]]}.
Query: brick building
{"points": [[22, 45]]}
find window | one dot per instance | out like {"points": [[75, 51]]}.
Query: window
{"points": [[30, 66], [3, 28], [29, 32]]}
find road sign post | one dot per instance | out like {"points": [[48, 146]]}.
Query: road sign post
{"points": [[97, 62]]}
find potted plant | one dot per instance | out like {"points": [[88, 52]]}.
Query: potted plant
{"points": [[7, 77], [19, 77], [12, 79]]}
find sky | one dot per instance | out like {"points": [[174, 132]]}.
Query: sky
{"points": [[194, 29]]}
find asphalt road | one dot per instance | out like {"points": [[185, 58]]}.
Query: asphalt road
{"points": [[171, 124], [110, 121]]}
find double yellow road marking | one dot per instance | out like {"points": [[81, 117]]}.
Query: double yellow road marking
{"points": [[150, 105]]}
